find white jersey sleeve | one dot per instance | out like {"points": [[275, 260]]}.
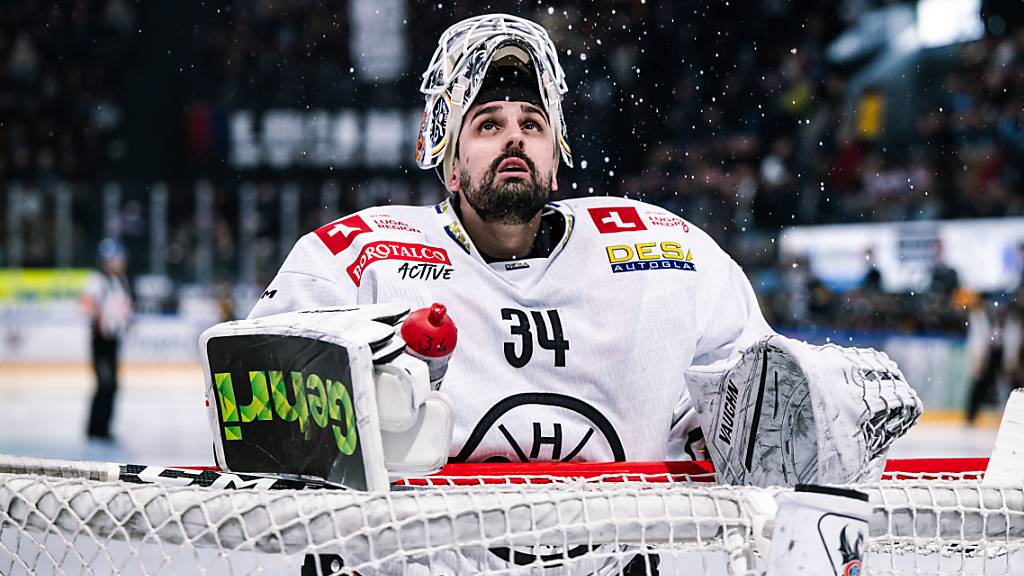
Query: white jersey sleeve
{"points": [[303, 282], [315, 275], [731, 315], [729, 320], [338, 263]]}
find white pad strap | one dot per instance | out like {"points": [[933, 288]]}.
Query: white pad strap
{"points": [[402, 387], [423, 447]]}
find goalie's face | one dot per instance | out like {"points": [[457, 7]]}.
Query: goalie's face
{"points": [[505, 166]]}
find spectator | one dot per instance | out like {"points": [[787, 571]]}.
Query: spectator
{"points": [[945, 280], [745, 129], [872, 282]]}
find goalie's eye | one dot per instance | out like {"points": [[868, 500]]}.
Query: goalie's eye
{"points": [[488, 125], [533, 126]]}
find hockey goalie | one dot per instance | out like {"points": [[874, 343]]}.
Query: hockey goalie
{"points": [[590, 329]]}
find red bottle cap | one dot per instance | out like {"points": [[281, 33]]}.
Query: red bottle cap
{"points": [[430, 331]]}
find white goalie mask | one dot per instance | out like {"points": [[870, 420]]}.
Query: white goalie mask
{"points": [[452, 81]]}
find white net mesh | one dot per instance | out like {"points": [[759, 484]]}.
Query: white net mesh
{"points": [[622, 522]]}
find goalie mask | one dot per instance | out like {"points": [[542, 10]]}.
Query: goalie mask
{"points": [[464, 55]]}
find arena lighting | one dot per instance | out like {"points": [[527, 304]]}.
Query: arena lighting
{"points": [[943, 22]]}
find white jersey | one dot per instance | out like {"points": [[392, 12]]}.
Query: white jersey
{"points": [[578, 356]]}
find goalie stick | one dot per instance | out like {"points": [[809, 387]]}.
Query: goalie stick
{"points": [[143, 474]]}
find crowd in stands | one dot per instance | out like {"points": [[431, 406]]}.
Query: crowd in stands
{"points": [[60, 69], [728, 115]]}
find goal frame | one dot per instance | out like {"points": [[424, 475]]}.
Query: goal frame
{"points": [[933, 506]]}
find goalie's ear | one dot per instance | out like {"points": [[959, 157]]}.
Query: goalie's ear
{"points": [[454, 181]]}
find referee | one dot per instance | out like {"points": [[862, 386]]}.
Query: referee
{"points": [[108, 301]]}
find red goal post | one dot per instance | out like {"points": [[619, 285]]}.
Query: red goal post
{"points": [[931, 517], [697, 471]]}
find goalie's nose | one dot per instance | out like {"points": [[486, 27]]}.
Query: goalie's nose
{"points": [[516, 139]]}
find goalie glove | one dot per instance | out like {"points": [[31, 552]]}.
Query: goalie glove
{"points": [[787, 412], [325, 395]]}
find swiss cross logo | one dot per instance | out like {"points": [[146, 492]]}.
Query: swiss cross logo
{"points": [[386, 250], [616, 219], [338, 235]]}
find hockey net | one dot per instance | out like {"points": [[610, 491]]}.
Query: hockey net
{"points": [[930, 517]]}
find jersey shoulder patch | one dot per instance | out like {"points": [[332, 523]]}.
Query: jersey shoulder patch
{"points": [[613, 215], [375, 235], [379, 222]]}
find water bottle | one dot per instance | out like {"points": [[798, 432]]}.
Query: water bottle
{"points": [[430, 335]]}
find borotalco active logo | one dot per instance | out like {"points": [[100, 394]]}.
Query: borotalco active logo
{"points": [[649, 256], [387, 250], [424, 271], [306, 399]]}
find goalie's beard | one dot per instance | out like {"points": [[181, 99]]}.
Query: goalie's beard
{"points": [[513, 201]]}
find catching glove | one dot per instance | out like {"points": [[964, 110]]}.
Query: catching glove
{"points": [[787, 412]]}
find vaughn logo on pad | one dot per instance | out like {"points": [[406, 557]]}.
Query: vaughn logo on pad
{"points": [[387, 250]]}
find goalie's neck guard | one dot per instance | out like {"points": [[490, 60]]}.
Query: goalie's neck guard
{"points": [[452, 81]]}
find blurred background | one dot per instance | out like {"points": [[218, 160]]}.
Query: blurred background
{"points": [[862, 160]]}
